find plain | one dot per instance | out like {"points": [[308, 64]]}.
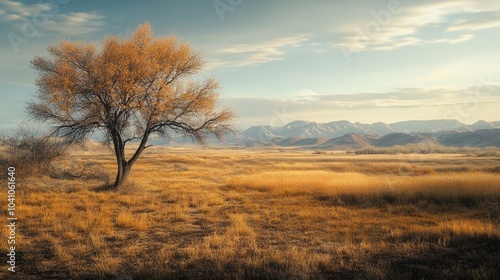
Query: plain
{"points": [[261, 214]]}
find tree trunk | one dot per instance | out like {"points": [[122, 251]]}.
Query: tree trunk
{"points": [[122, 174], [125, 166]]}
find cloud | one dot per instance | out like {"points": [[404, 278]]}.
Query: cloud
{"points": [[455, 40], [22, 10], [240, 55], [477, 21], [77, 23], [46, 17], [419, 24], [401, 104], [414, 97]]}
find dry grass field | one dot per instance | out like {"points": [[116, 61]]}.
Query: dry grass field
{"points": [[193, 213]]}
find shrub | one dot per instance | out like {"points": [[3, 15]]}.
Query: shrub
{"points": [[79, 170], [30, 153]]}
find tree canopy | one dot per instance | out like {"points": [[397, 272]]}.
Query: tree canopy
{"points": [[129, 89]]}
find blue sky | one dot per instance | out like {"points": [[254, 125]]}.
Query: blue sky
{"points": [[280, 61]]}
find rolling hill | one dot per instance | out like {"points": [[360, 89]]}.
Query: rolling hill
{"points": [[347, 135], [305, 129]]}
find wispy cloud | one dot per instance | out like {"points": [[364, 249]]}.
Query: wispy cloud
{"points": [[19, 9], [420, 24], [257, 53], [77, 23], [407, 97], [477, 21], [407, 103], [47, 18]]}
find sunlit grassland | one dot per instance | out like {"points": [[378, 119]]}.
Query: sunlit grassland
{"points": [[257, 214]]}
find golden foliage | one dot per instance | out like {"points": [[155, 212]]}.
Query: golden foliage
{"points": [[130, 89], [139, 75]]}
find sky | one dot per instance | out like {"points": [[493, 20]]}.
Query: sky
{"points": [[284, 60]]}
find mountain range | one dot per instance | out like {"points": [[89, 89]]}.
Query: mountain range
{"points": [[347, 135], [344, 134], [305, 129]]}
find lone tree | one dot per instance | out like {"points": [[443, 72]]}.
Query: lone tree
{"points": [[130, 89]]}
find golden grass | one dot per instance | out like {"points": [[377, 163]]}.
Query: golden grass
{"points": [[105, 264], [332, 183], [249, 214], [135, 221], [470, 228]]}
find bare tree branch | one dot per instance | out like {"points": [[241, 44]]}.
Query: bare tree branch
{"points": [[129, 89]]}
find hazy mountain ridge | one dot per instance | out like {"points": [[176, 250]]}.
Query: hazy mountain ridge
{"points": [[305, 129], [478, 138], [347, 135], [344, 134]]}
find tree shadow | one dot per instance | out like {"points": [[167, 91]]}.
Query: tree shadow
{"points": [[107, 187], [128, 188]]}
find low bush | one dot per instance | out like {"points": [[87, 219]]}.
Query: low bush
{"points": [[30, 153]]}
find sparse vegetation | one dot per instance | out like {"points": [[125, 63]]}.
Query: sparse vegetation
{"points": [[31, 152], [249, 214], [427, 148]]}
